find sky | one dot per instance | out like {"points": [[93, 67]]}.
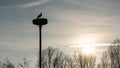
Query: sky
{"points": [[70, 23]]}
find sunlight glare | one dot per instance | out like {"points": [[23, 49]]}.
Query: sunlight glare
{"points": [[87, 50], [87, 43]]}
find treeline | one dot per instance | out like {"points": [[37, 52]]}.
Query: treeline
{"points": [[54, 58], [8, 64]]}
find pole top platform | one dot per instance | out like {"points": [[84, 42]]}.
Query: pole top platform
{"points": [[40, 21]]}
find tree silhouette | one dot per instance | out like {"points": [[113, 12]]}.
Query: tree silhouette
{"points": [[114, 53], [52, 58], [104, 61], [85, 61], [6, 64]]}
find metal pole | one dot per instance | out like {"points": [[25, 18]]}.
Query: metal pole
{"points": [[40, 21], [40, 46]]}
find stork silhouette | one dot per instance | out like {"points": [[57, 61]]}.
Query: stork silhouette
{"points": [[39, 15]]}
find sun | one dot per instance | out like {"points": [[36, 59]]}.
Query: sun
{"points": [[87, 50], [87, 44]]}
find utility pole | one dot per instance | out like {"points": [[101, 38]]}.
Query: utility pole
{"points": [[40, 22]]}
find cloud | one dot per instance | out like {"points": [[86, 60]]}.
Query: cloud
{"points": [[97, 45], [34, 3]]}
